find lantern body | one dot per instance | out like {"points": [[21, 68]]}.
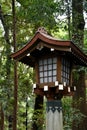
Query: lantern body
{"points": [[53, 61], [53, 69]]}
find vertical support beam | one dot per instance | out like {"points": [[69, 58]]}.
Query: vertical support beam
{"points": [[59, 69], [54, 120]]}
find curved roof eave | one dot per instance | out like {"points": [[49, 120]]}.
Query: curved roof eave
{"points": [[49, 41], [43, 37]]}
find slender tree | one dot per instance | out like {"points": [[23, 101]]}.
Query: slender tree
{"points": [[78, 38], [68, 17], [78, 22], [15, 69], [8, 60], [2, 118]]}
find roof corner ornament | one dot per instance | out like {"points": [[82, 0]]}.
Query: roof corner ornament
{"points": [[42, 30]]}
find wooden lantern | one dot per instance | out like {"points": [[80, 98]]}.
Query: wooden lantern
{"points": [[53, 61]]}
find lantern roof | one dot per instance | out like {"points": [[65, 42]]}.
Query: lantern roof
{"points": [[42, 43]]}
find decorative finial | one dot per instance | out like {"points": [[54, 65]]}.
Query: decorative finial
{"points": [[42, 30]]}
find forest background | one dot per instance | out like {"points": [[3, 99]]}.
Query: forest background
{"points": [[64, 19]]}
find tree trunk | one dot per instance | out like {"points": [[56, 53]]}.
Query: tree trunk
{"points": [[78, 22], [8, 52], [2, 118], [79, 101], [78, 38], [15, 69], [68, 18], [37, 115]]}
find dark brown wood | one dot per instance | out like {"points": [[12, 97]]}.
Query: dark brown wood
{"points": [[50, 42], [1, 118], [54, 93], [50, 84], [15, 96], [59, 68], [36, 72]]}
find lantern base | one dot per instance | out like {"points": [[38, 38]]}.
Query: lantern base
{"points": [[54, 120]]}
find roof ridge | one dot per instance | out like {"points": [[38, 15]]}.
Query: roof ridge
{"points": [[42, 30]]}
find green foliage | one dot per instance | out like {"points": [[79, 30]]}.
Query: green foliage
{"points": [[85, 6], [25, 104], [25, 95], [40, 119], [30, 14], [41, 114], [85, 41], [25, 80], [71, 114], [6, 6], [39, 10]]}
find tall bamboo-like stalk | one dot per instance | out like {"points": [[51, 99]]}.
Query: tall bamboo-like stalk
{"points": [[68, 18], [15, 68]]}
